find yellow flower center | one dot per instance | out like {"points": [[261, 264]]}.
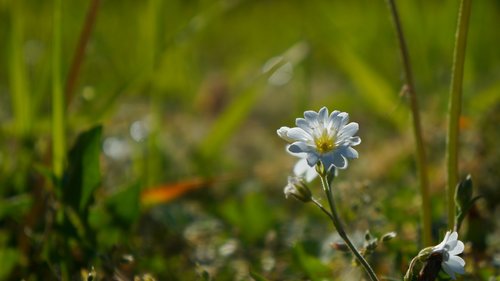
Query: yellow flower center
{"points": [[325, 143]]}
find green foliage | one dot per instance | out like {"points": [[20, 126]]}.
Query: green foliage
{"points": [[192, 73], [311, 265], [83, 174], [124, 204], [249, 215]]}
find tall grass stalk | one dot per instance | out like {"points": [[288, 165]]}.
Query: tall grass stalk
{"points": [[58, 123], [409, 87], [455, 107], [21, 101]]}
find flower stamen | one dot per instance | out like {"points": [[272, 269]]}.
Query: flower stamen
{"points": [[325, 143]]}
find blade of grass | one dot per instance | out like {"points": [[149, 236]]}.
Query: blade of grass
{"points": [[455, 107], [80, 49], [21, 101], [417, 128], [58, 123]]}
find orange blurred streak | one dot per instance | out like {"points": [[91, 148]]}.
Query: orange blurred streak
{"points": [[168, 192], [464, 122]]}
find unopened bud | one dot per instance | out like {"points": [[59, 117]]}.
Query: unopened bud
{"points": [[339, 246], [372, 245], [425, 254], [368, 235], [388, 236], [463, 193], [297, 188]]}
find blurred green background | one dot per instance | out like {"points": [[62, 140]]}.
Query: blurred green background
{"points": [[184, 180]]}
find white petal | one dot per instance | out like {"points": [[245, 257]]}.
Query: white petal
{"points": [[300, 147], [337, 121], [451, 244], [349, 152], [448, 270], [454, 266], [440, 246], [337, 160], [300, 154], [345, 119], [323, 115], [311, 174], [297, 134], [459, 248], [311, 116], [312, 159], [353, 141], [349, 130], [332, 118], [457, 260], [282, 133], [453, 236], [303, 124], [301, 167]]}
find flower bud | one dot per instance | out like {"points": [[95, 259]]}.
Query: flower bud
{"points": [[297, 188], [463, 194], [340, 246], [388, 236], [425, 254]]}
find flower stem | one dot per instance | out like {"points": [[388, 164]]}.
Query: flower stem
{"points": [[454, 107], [340, 229], [417, 127]]}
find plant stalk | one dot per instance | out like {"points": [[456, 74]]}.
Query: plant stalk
{"points": [[454, 107], [340, 229], [58, 124], [79, 54], [417, 127]]}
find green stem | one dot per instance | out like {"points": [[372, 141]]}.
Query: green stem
{"points": [[454, 107], [340, 229], [417, 128], [58, 124], [21, 100]]}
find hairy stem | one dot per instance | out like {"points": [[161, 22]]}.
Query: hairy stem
{"points": [[417, 127], [340, 229], [454, 107]]}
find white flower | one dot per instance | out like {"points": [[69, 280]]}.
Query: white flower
{"points": [[449, 249], [323, 137]]}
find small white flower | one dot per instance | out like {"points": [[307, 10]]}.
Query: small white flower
{"points": [[449, 249], [323, 137]]}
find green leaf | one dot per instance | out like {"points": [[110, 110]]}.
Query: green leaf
{"points": [[10, 258], [15, 206], [83, 174], [125, 204], [312, 266]]}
